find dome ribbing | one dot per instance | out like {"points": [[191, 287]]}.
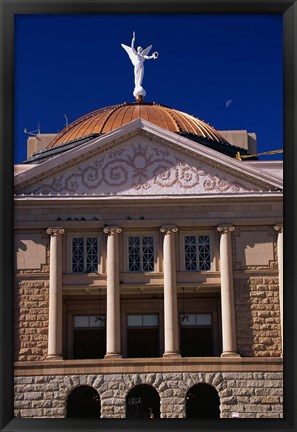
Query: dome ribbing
{"points": [[107, 119]]}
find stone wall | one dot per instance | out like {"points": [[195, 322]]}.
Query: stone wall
{"points": [[31, 319], [243, 395], [258, 316], [199, 213]]}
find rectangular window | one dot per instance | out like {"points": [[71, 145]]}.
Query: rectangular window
{"points": [[141, 253], [142, 320], [197, 253], [195, 320], [82, 321], [84, 255]]}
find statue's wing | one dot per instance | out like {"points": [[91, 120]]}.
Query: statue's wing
{"points": [[129, 51], [146, 50]]}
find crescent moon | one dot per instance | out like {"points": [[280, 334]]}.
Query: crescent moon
{"points": [[228, 103]]}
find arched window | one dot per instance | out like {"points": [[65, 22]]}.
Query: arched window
{"points": [[202, 401], [83, 402], [143, 401]]}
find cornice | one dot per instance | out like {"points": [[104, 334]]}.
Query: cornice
{"points": [[120, 366], [160, 201], [153, 224]]}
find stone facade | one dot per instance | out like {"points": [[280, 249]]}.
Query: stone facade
{"points": [[31, 319], [256, 292], [140, 179], [243, 395], [256, 306], [258, 317]]}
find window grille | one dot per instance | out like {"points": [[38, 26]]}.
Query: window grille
{"points": [[141, 253], [84, 255], [197, 253]]}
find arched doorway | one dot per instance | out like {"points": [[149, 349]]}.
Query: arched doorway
{"points": [[83, 402], [202, 401], [143, 401]]}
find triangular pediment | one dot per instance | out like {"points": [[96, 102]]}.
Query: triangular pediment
{"points": [[142, 159]]}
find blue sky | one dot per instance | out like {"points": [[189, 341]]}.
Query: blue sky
{"points": [[74, 64]]}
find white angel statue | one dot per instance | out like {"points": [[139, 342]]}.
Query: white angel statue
{"points": [[137, 58]]}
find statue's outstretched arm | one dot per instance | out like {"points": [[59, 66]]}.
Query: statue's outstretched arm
{"points": [[133, 40], [153, 56]]}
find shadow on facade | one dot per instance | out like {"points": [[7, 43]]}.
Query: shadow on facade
{"points": [[244, 318], [83, 402], [142, 402], [202, 401]]}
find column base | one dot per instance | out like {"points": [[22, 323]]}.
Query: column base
{"points": [[53, 357], [230, 354], [171, 355], [111, 356]]}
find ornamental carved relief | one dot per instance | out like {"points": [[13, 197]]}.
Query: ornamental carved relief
{"points": [[140, 168]]}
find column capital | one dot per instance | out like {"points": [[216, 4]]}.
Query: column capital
{"points": [[168, 229], [112, 230], [279, 228], [55, 231], [226, 228]]}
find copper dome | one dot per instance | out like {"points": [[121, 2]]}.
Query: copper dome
{"points": [[107, 119]]}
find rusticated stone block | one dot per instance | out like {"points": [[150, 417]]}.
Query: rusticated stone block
{"points": [[21, 404], [167, 393], [229, 400], [32, 413]]}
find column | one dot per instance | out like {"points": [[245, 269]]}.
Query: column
{"points": [[55, 295], [171, 327], [227, 293], [279, 229], [113, 332]]}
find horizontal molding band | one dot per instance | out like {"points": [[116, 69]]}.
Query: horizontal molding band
{"points": [[122, 366]]}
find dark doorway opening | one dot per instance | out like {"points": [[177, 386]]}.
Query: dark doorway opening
{"points": [[83, 402], [89, 344], [143, 402], [196, 342], [143, 335], [202, 401], [143, 343]]}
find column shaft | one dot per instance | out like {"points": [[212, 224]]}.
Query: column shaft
{"points": [[55, 294], [113, 333], [227, 293], [170, 295], [280, 247]]}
